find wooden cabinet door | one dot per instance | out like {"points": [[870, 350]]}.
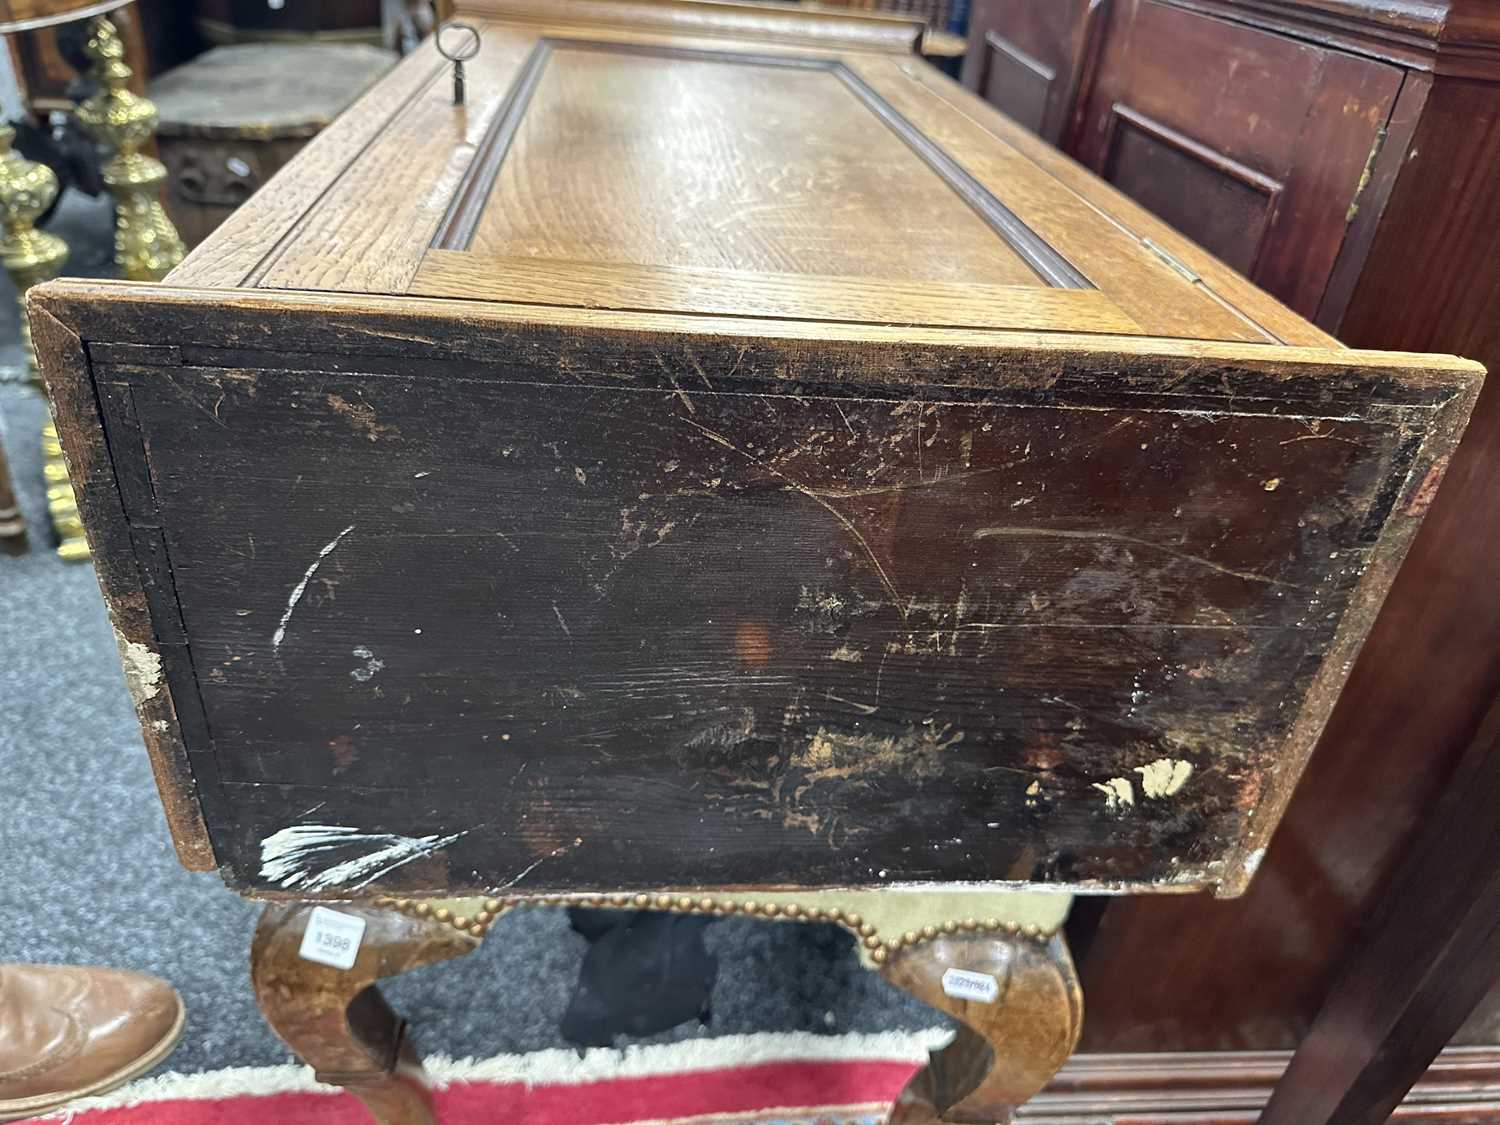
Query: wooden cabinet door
{"points": [[1029, 58], [1251, 143]]}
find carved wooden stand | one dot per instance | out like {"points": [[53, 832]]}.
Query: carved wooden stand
{"points": [[339, 1023], [1005, 1052]]}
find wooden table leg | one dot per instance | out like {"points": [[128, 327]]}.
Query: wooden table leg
{"points": [[336, 1020], [1007, 1049]]}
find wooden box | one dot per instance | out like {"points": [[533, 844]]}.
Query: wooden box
{"points": [[724, 453]]}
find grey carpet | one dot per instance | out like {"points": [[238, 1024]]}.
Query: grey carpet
{"points": [[88, 875]]}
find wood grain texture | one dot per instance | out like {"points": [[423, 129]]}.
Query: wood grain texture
{"points": [[1451, 38], [1182, 117], [146, 653], [841, 207], [827, 28], [1008, 1048], [552, 595], [725, 292], [1232, 1088], [1261, 313], [1002, 652], [1117, 263], [259, 225], [711, 163], [336, 1020], [420, 159], [1419, 690], [1032, 59]]}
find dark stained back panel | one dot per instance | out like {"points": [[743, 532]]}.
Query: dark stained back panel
{"points": [[695, 629]]}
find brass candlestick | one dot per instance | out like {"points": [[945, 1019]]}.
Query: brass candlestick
{"points": [[146, 243], [29, 256]]}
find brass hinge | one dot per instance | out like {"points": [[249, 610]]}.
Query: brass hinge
{"points": [[1171, 259], [1364, 176]]}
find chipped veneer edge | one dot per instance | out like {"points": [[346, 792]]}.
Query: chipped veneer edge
{"points": [[73, 405], [142, 667]]}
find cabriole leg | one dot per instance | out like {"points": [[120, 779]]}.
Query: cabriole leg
{"points": [[336, 1020], [1007, 1049]]}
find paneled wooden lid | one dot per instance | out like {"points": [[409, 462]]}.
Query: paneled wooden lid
{"points": [[651, 163]]}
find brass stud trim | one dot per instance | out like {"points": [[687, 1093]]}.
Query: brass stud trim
{"points": [[880, 948]]}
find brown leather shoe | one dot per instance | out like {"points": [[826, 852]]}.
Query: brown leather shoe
{"points": [[67, 1031]]}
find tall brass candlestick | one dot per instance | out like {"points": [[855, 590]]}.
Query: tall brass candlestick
{"points": [[29, 256], [146, 243]]}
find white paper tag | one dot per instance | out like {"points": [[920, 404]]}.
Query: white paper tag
{"points": [[332, 938], [964, 985]]}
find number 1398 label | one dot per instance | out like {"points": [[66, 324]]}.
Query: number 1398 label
{"points": [[332, 938]]}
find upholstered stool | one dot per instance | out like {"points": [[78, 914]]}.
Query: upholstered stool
{"points": [[995, 960]]}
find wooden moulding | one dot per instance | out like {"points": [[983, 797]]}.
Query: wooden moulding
{"points": [[826, 27], [1454, 38], [1233, 1087]]}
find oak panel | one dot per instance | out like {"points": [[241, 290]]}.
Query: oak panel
{"points": [[707, 162], [448, 273]]}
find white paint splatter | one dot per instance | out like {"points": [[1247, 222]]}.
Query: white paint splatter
{"points": [[372, 665], [1164, 777], [1118, 793], [1252, 862], [315, 857], [301, 587], [142, 669]]}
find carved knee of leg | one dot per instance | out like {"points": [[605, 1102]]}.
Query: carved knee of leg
{"points": [[1022, 1011]]}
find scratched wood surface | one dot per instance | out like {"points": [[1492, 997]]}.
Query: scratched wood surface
{"points": [[784, 170], [725, 131], [748, 539], [569, 605]]}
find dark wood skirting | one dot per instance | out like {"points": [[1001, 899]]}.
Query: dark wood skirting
{"points": [[1232, 1087]]}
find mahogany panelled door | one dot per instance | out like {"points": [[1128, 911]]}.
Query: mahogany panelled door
{"points": [[724, 454]]}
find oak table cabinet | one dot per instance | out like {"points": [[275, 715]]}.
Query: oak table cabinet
{"points": [[725, 466]]}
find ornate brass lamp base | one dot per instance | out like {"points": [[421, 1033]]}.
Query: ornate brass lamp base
{"points": [[146, 243], [29, 256]]}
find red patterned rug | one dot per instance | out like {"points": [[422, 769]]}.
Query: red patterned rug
{"points": [[780, 1079]]}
